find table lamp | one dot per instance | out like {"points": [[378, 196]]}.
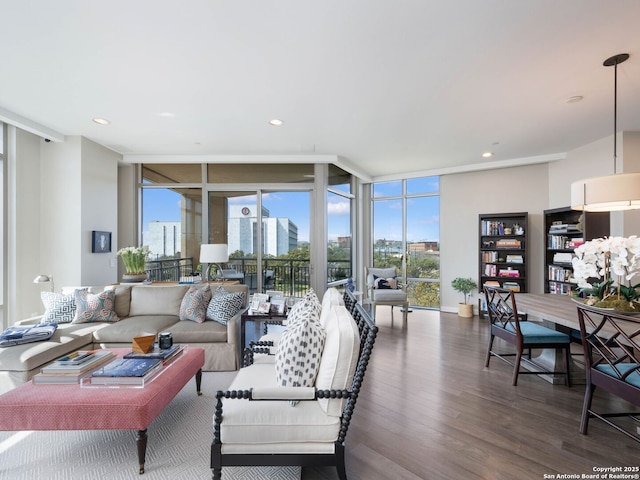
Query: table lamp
{"points": [[214, 253]]}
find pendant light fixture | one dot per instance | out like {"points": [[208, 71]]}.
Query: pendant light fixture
{"points": [[613, 192]]}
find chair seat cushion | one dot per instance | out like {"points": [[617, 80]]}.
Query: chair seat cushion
{"points": [[536, 333], [272, 422], [633, 378], [389, 295]]}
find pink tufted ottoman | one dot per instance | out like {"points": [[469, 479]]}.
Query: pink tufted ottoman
{"points": [[69, 407]]}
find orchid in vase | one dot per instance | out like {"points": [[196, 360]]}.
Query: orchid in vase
{"points": [[610, 264], [134, 259]]}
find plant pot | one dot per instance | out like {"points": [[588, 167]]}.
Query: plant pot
{"points": [[465, 310], [141, 277]]}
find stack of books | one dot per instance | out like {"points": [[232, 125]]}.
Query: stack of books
{"points": [[167, 355], [508, 243], [73, 367], [125, 372], [556, 228]]}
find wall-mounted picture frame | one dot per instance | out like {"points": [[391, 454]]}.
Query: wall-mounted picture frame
{"points": [[100, 241]]}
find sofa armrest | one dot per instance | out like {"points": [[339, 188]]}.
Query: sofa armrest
{"points": [[30, 321], [233, 328]]}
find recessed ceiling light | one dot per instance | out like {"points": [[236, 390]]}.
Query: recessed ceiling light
{"points": [[574, 99], [276, 122], [101, 121], [487, 154]]}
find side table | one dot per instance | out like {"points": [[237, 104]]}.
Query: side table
{"points": [[259, 319]]}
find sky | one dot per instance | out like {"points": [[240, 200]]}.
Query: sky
{"points": [[423, 213]]}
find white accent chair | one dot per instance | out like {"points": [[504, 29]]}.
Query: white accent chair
{"points": [[386, 296]]}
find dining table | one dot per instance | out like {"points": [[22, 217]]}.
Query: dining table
{"points": [[559, 312]]}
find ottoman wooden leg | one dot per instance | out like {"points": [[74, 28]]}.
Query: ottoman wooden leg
{"points": [[199, 381], [141, 441]]}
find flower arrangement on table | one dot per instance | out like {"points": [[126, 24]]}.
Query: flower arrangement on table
{"points": [[614, 261], [134, 259]]}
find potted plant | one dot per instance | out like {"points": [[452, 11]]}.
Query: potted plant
{"points": [[134, 259], [464, 286]]}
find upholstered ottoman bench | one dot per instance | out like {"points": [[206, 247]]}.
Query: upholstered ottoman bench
{"points": [[69, 407]]}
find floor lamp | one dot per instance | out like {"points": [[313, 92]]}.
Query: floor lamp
{"points": [[44, 279], [214, 253]]}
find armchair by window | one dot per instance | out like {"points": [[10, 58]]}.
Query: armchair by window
{"points": [[384, 289]]}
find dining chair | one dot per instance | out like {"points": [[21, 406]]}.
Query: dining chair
{"points": [[612, 363], [507, 325]]}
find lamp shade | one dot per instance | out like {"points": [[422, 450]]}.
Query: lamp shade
{"points": [[214, 253], [606, 194]]}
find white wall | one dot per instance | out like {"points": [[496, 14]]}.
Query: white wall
{"points": [[79, 185], [464, 196], [99, 199], [24, 230]]}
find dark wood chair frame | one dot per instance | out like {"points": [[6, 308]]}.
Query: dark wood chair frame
{"points": [[610, 350], [501, 305], [368, 332]]}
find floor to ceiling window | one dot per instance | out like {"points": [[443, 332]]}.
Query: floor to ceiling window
{"points": [[339, 220], [406, 234], [171, 220], [263, 212], [2, 222]]}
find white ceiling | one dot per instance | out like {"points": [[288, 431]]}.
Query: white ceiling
{"points": [[394, 87]]}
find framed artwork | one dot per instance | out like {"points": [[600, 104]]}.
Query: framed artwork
{"points": [[100, 242]]}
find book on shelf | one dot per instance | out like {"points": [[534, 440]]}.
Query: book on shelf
{"points": [[508, 272], [492, 283], [562, 257], [508, 243], [78, 362], [563, 228], [490, 270], [127, 371], [513, 286], [515, 259]]}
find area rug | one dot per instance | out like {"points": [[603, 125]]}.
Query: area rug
{"points": [[178, 447]]}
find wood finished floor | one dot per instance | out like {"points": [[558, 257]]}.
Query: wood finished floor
{"points": [[429, 409]]}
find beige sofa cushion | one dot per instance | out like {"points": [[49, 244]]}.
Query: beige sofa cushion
{"points": [[127, 328], [193, 332], [123, 299], [67, 338], [152, 300]]}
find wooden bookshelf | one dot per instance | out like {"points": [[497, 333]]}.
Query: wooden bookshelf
{"points": [[564, 230], [503, 246]]}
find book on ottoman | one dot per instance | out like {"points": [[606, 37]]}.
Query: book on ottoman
{"points": [[126, 371]]}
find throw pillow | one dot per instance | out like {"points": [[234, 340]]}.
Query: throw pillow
{"points": [[99, 307], [385, 283], [195, 302], [309, 304], [299, 352], [224, 305], [59, 308]]}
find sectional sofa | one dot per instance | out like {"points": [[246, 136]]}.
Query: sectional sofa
{"points": [[109, 317]]}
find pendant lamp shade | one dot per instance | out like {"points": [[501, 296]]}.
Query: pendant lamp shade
{"points": [[606, 194], [612, 192]]}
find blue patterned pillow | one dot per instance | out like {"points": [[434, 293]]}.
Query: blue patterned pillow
{"points": [[385, 283], [224, 305], [194, 304], [59, 308], [98, 307]]}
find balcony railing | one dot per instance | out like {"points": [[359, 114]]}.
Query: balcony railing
{"points": [[292, 277]]}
